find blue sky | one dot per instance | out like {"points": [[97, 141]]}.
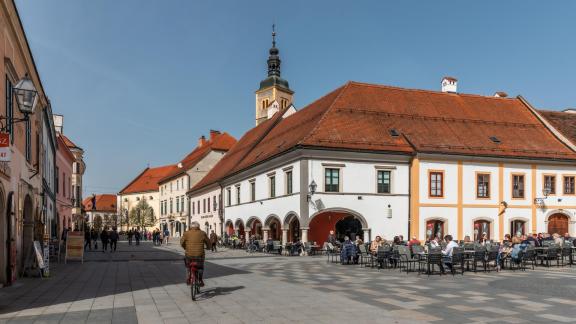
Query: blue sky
{"points": [[138, 81]]}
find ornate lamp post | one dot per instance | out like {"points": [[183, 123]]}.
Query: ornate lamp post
{"points": [[26, 98]]}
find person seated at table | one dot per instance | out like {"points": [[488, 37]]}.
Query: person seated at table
{"points": [[396, 241], [467, 239], [348, 252], [447, 251], [567, 237], [269, 244], [484, 239], [507, 238], [401, 238], [559, 240], [296, 247], [374, 245], [413, 241], [434, 243]]}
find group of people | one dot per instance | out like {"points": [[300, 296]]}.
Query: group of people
{"points": [[108, 238]]}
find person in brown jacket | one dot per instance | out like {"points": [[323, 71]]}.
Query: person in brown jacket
{"points": [[193, 242], [213, 241]]}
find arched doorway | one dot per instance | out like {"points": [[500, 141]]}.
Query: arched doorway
{"points": [[517, 227], [255, 226], [480, 227], [293, 229], [558, 224], [28, 230], [274, 229], [343, 223], [229, 228], [434, 229], [240, 229]]}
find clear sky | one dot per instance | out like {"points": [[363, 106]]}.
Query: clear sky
{"points": [[138, 81]]}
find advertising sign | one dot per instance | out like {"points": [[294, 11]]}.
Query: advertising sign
{"points": [[5, 153], [75, 246], [39, 255]]}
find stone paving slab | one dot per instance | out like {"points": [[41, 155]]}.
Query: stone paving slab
{"points": [[145, 284]]}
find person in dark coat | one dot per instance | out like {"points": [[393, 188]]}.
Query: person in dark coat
{"points": [[104, 238], [130, 235], [213, 241], [94, 234], [87, 239], [113, 240], [137, 236]]}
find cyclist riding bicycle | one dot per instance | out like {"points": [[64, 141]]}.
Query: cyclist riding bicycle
{"points": [[193, 241]]}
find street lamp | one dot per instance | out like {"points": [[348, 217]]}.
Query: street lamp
{"points": [[312, 189], [26, 98]]}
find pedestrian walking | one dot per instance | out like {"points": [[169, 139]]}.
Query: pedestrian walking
{"points": [[104, 238], [87, 239], [130, 235], [213, 241], [94, 234], [137, 237], [166, 236], [113, 239]]}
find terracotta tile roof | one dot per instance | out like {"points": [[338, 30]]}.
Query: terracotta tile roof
{"points": [[217, 142], [564, 122], [104, 203], [361, 117], [69, 143], [148, 179], [63, 148]]}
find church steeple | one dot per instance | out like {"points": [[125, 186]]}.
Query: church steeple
{"points": [[274, 60], [273, 88]]}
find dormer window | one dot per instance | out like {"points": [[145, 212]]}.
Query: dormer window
{"points": [[495, 139]]}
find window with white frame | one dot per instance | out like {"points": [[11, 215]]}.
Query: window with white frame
{"points": [[237, 194], [228, 196], [289, 182], [272, 186]]}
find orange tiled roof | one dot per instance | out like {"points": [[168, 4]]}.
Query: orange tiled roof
{"points": [[360, 117], [68, 142], [104, 203], [564, 122], [63, 147], [148, 179], [220, 142]]}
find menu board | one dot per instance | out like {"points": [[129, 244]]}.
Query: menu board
{"points": [[75, 246], [39, 254]]}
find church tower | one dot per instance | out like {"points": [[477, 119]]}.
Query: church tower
{"points": [[273, 88]]}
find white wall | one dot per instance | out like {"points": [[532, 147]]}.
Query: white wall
{"points": [[205, 215]]}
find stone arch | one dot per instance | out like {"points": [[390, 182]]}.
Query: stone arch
{"points": [[270, 219], [554, 214], [342, 210], [229, 227], [290, 216], [515, 222], [343, 221], [559, 211], [292, 226], [254, 225], [239, 227], [431, 232], [273, 224], [477, 232]]}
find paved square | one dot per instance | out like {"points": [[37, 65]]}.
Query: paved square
{"points": [[145, 284]]}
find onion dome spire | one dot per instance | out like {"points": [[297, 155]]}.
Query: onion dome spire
{"points": [[274, 59]]}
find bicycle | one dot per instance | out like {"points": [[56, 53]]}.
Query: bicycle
{"points": [[194, 279]]}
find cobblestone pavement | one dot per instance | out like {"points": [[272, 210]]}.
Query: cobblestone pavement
{"points": [[145, 284]]}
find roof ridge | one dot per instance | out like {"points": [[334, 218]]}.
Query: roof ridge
{"points": [[429, 91], [134, 180], [342, 90]]}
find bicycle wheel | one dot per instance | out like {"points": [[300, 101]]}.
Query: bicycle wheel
{"points": [[193, 288]]}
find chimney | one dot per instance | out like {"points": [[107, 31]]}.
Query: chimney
{"points": [[213, 134], [201, 141], [449, 84], [500, 94]]}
